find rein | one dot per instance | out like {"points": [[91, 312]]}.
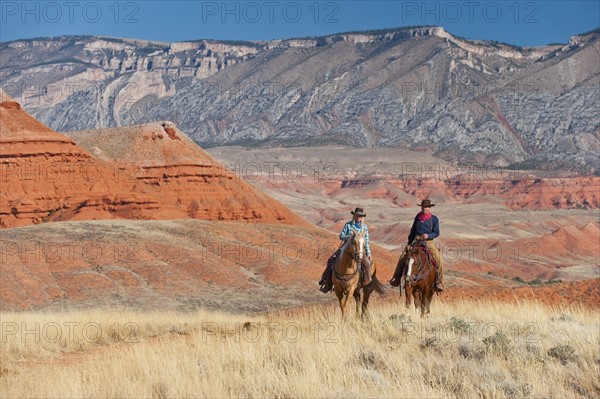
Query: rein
{"points": [[347, 277]]}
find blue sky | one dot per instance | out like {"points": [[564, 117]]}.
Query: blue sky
{"points": [[522, 23]]}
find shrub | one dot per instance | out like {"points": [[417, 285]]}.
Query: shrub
{"points": [[459, 325], [564, 353], [469, 352], [498, 343]]}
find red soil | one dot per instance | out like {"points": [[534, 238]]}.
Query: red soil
{"points": [[179, 264], [585, 293]]}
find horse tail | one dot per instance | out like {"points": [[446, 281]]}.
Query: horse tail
{"points": [[377, 286]]}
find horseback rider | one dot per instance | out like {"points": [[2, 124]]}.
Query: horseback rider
{"points": [[356, 225], [426, 226]]}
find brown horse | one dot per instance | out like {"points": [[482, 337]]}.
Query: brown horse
{"points": [[419, 275], [347, 280]]}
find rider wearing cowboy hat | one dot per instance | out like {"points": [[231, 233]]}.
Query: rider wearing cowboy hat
{"points": [[355, 225], [426, 226]]}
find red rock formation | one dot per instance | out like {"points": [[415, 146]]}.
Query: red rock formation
{"points": [[46, 177], [187, 182], [516, 193], [533, 193], [161, 174]]}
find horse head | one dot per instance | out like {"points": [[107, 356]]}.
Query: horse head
{"points": [[358, 246], [412, 260]]}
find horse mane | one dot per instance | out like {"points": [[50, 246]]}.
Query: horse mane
{"points": [[345, 245]]}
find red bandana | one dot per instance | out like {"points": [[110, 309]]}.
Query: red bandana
{"points": [[423, 217]]}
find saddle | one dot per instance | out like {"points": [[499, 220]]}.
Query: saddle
{"points": [[421, 244]]}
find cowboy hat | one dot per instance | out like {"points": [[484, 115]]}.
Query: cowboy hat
{"points": [[426, 203], [358, 212]]}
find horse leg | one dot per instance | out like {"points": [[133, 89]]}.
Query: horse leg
{"points": [[417, 298], [340, 296], [429, 299], [345, 300], [424, 304], [407, 294], [357, 299], [365, 304]]}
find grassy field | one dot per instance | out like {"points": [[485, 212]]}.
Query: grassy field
{"points": [[463, 349]]}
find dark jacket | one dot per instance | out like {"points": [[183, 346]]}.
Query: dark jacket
{"points": [[431, 227]]}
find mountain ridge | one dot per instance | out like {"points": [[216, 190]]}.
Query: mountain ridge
{"points": [[468, 101], [585, 35]]}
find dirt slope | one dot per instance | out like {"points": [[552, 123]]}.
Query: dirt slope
{"points": [[175, 264]]}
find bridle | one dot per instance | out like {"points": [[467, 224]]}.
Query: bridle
{"points": [[358, 253]]}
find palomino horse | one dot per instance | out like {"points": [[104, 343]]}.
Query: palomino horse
{"points": [[419, 274], [347, 280]]}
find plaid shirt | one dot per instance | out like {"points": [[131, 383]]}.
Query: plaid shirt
{"points": [[358, 227]]}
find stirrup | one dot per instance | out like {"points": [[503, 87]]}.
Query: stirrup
{"points": [[394, 282]]}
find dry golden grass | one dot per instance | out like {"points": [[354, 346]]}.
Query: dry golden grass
{"points": [[464, 349]]}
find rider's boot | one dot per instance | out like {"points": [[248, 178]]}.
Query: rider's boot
{"points": [[439, 284], [397, 279], [327, 280]]}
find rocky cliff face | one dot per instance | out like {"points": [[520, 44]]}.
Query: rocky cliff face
{"points": [[107, 75], [466, 101]]}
